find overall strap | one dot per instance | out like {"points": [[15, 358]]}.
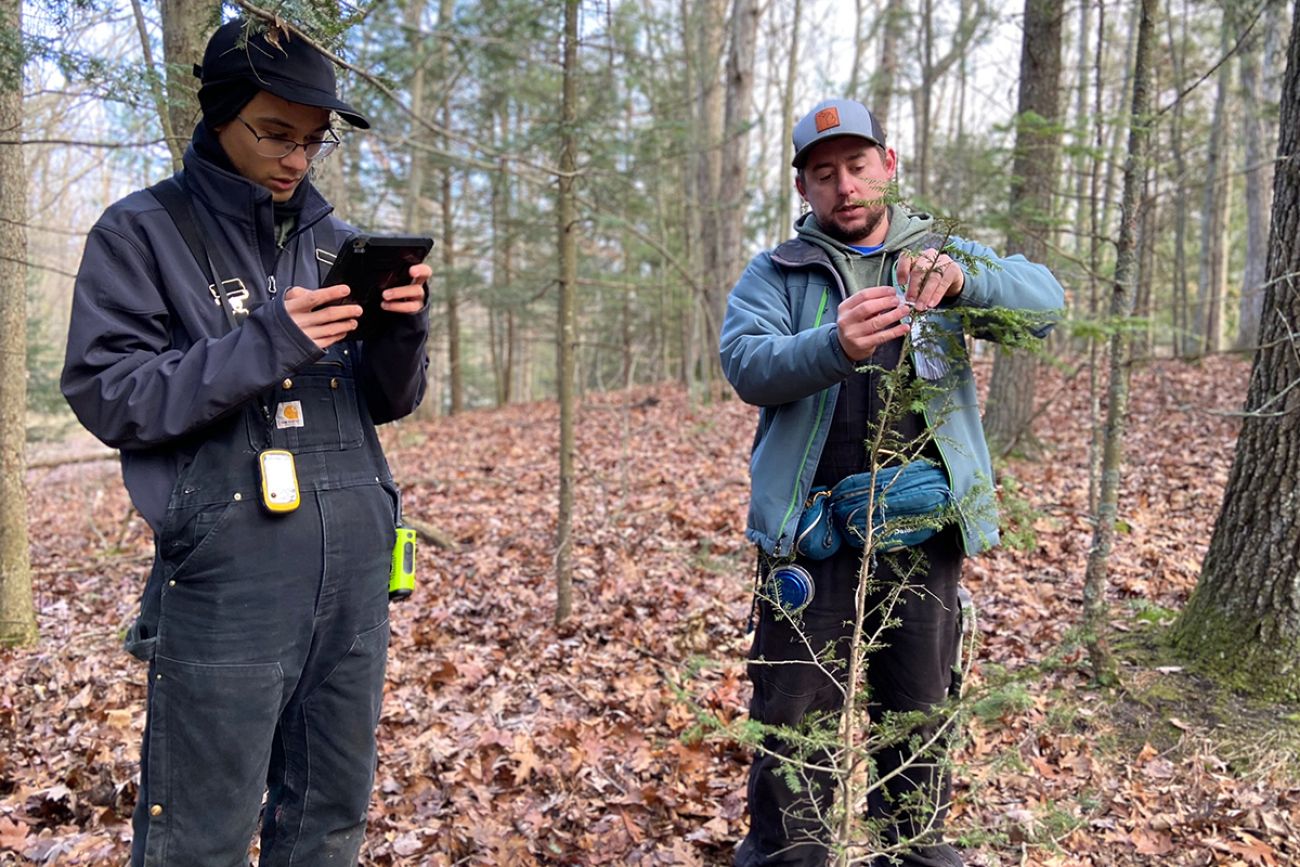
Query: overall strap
{"points": [[174, 196], [333, 237]]}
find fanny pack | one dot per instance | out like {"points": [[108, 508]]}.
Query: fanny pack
{"points": [[914, 499]]}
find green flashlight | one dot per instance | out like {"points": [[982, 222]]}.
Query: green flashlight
{"points": [[401, 575]]}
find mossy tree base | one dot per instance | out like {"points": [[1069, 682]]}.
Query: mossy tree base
{"points": [[1234, 652], [1243, 620]]}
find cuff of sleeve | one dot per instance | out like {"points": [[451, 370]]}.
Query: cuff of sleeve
{"points": [[972, 294], [306, 348], [963, 297], [843, 364]]}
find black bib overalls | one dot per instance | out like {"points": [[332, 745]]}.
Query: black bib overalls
{"points": [[267, 636]]}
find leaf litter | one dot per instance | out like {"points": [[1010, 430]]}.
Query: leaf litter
{"points": [[506, 740]]}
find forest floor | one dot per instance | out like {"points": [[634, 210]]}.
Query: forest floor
{"points": [[508, 741]]}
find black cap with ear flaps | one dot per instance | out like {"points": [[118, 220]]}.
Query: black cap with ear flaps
{"points": [[238, 63]]}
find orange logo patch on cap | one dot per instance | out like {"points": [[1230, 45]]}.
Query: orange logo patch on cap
{"points": [[827, 118]]}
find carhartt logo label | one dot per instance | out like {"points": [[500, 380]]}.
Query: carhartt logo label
{"points": [[827, 118], [289, 414]]}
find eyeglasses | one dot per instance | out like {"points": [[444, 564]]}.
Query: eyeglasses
{"points": [[278, 147]]}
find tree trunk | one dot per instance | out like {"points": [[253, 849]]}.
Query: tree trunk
{"points": [[1082, 243], [1243, 619], [1095, 443], [1096, 612], [1183, 329], [504, 249], [186, 26], [707, 18], [1215, 319], [784, 222], [17, 612], [414, 217], [455, 373], [1113, 153], [1010, 408], [884, 78], [1256, 139], [502, 307], [1209, 288], [455, 376], [735, 159], [1148, 229], [855, 71], [156, 85], [957, 184], [565, 337], [923, 116]]}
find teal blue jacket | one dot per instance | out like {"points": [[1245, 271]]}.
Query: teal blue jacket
{"points": [[781, 352]]}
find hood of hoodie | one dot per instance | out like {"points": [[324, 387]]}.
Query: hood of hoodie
{"points": [[905, 230]]}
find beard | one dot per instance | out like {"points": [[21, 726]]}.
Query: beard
{"points": [[874, 214]]}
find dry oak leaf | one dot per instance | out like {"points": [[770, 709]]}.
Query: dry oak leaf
{"points": [[1149, 842], [13, 835]]}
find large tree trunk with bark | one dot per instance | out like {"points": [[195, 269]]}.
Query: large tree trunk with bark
{"points": [[17, 613], [1010, 409], [1243, 619]]}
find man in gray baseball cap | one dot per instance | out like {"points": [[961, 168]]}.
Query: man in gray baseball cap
{"points": [[819, 333]]}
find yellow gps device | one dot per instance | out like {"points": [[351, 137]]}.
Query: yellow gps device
{"points": [[279, 480]]}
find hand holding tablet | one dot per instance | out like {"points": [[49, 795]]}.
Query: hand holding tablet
{"points": [[369, 264]]}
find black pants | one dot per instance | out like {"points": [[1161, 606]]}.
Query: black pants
{"points": [[913, 672]]}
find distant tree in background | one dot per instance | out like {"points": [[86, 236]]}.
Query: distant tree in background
{"points": [[1010, 406], [1259, 94], [1123, 292], [17, 613], [567, 244], [186, 26]]}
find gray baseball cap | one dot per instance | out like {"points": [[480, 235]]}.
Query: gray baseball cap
{"points": [[833, 118]]}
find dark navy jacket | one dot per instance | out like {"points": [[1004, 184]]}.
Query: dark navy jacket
{"points": [[151, 359]]}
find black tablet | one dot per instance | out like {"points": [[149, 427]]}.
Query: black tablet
{"points": [[369, 264]]}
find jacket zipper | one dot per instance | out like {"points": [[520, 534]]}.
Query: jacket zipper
{"points": [[821, 402], [271, 287]]}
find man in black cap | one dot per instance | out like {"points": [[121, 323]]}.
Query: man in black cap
{"points": [[201, 347], [812, 330]]}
